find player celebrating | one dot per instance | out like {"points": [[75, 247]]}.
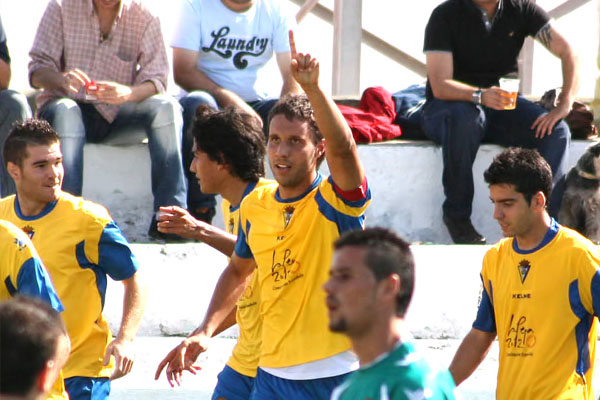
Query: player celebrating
{"points": [[286, 233]]}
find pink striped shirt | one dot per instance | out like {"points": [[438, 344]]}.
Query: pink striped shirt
{"points": [[69, 37]]}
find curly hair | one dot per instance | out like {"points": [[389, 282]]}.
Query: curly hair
{"points": [[526, 169], [297, 107], [231, 137], [31, 132], [386, 254]]}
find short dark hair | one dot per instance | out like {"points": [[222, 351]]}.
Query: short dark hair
{"points": [[297, 107], [231, 137], [29, 337], [525, 169], [386, 254], [31, 132]]}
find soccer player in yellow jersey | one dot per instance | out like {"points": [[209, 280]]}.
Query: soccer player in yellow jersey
{"points": [[33, 348], [80, 246], [229, 152], [541, 294], [286, 234]]}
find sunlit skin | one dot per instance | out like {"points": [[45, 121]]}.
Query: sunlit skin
{"points": [[107, 4], [238, 5], [39, 179], [528, 222], [292, 155], [351, 292]]}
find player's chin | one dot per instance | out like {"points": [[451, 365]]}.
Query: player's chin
{"points": [[337, 324]]}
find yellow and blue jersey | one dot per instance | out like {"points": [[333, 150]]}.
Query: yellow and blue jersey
{"points": [[23, 273], [245, 355], [80, 246], [291, 242], [543, 304]]}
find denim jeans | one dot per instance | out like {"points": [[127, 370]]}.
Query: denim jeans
{"points": [[158, 118], [197, 199], [460, 127], [13, 108]]}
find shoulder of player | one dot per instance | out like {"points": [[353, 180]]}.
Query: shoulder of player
{"points": [[86, 208]]}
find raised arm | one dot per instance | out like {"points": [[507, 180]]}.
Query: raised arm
{"points": [[470, 354], [229, 288], [134, 301], [340, 148], [558, 45]]}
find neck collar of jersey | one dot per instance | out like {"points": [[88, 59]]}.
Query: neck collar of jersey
{"points": [[312, 186], [249, 187], [47, 209], [550, 234]]}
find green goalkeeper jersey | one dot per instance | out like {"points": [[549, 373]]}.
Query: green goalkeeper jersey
{"points": [[402, 374]]}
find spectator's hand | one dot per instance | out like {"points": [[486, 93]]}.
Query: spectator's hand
{"points": [[544, 124], [75, 79], [122, 351], [178, 221], [182, 358], [495, 98], [305, 69], [111, 92]]}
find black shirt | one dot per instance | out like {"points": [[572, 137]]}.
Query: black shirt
{"points": [[482, 53]]}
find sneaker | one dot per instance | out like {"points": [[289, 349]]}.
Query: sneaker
{"points": [[462, 231], [205, 214], [154, 234]]}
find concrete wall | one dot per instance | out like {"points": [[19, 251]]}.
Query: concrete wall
{"points": [[405, 178]]}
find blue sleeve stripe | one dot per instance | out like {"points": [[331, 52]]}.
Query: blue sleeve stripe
{"points": [[350, 203], [596, 293], [486, 316], [581, 330], [86, 264], [114, 254], [33, 280], [344, 222], [241, 245]]}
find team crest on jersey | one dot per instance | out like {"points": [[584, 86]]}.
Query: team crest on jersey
{"points": [[29, 231], [20, 244], [524, 267], [231, 224], [288, 213]]}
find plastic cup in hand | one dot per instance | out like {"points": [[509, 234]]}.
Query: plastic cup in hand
{"points": [[510, 85]]}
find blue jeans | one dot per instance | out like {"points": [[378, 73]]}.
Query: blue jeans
{"points": [[190, 102], [158, 118], [460, 127], [13, 108]]}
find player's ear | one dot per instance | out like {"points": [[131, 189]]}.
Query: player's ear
{"points": [[391, 286], [539, 200], [13, 170]]}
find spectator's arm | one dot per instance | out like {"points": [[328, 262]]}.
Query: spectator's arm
{"points": [[558, 46], [153, 62], [340, 148], [4, 74], [470, 354], [289, 83]]}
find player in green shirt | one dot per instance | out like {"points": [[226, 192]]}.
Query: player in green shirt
{"points": [[369, 289]]}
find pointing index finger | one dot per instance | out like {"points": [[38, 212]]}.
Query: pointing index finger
{"points": [[292, 44]]}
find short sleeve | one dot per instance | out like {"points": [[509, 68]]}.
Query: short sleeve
{"points": [[34, 281], [486, 317], [114, 254], [535, 16], [438, 33], [188, 33], [242, 249]]}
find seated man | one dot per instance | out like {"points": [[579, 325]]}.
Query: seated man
{"points": [[101, 80], [374, 270], [219, 48], [13, 107], [34, 346], [470, 44]]}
